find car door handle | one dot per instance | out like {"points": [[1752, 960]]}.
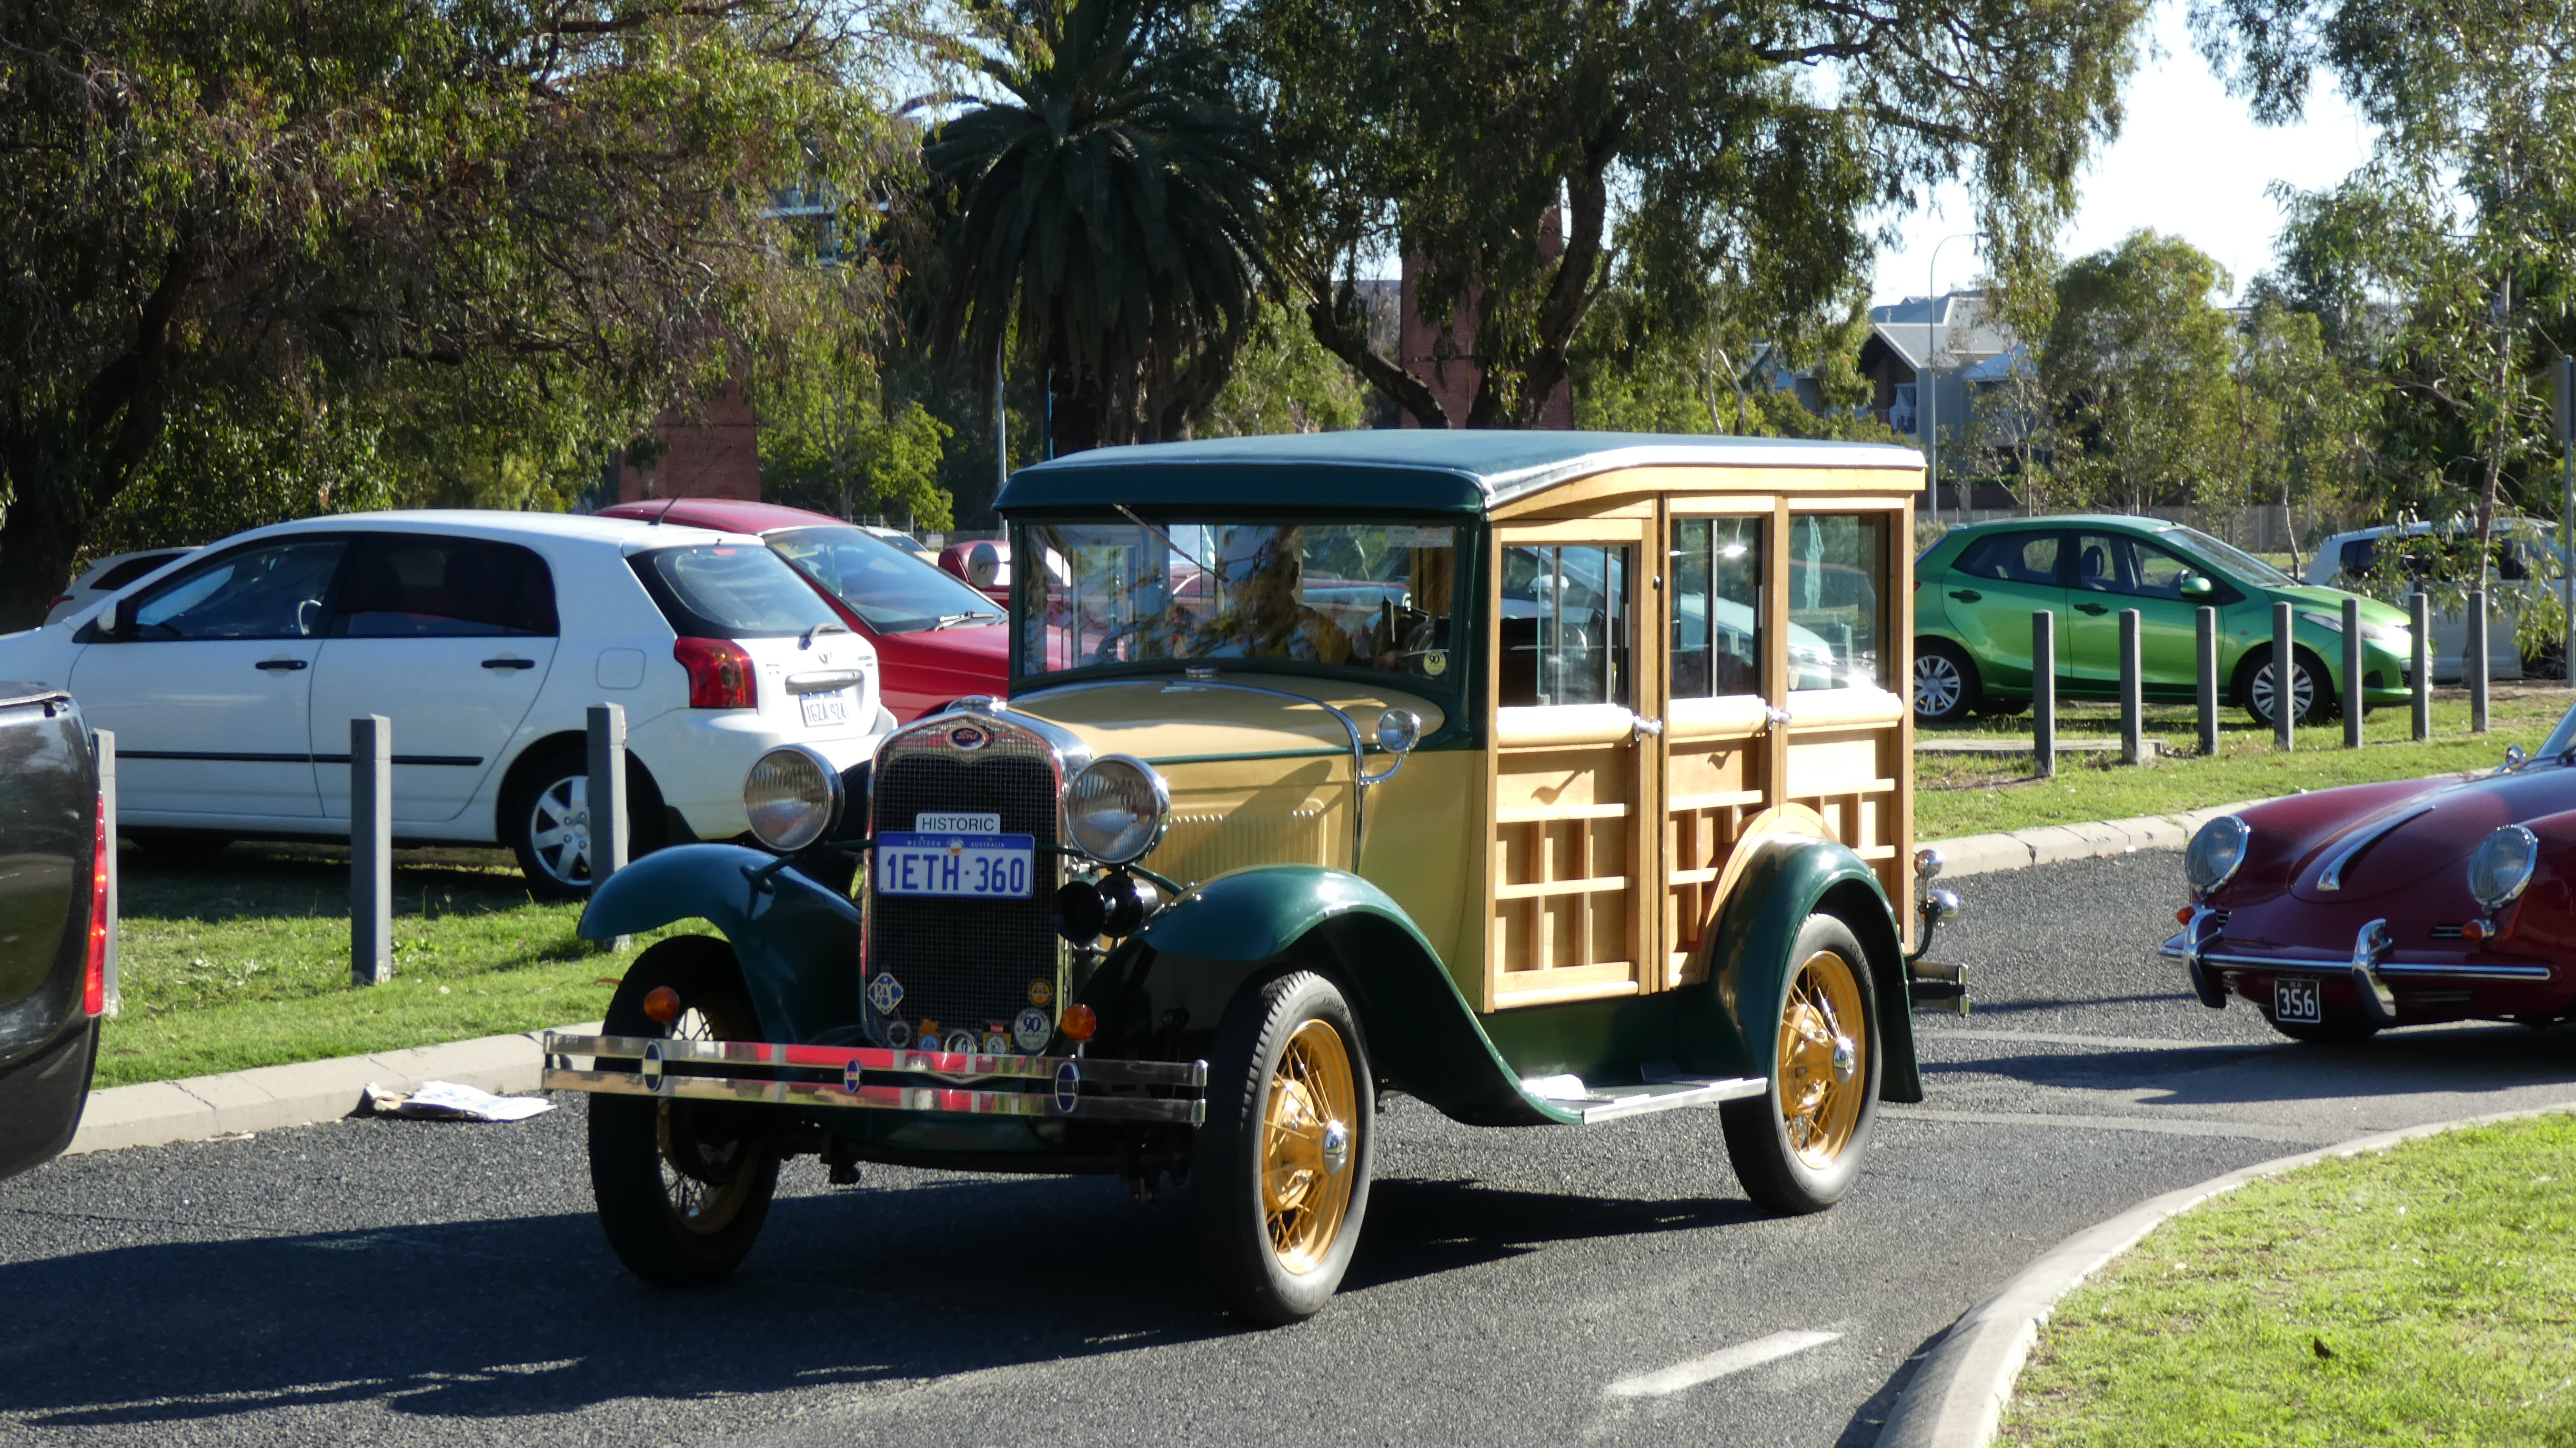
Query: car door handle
{"points": [[509, 663], [1966, 595], [2092, 608], [279, 664]]}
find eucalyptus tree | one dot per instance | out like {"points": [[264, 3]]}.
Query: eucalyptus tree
{"points": [[2135, 363], [1102, 210], [539, 215], [1523, 156]]}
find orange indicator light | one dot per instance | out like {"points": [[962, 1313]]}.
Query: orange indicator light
{"points": [[2183, 916], [663, 1004], [1079, 1022]]}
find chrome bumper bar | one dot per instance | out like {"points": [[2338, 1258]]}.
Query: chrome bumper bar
{"points": [[2175, 950], [1056, 1088]]}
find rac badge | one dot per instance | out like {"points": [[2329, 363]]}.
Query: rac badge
{"points": [[885, 993]]}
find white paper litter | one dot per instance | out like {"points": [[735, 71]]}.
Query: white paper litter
{"points": [[447, 1101]]}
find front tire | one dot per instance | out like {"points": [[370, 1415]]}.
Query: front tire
{"points": [[2312, 693], [1799, 1146], [1281, 1177], [683, 1186], [1946, 687]]}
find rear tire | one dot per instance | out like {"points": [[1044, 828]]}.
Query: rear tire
{"points": [[683, 1186], [1799, 1145], [1946, 687], [545, 820], [1280, 1180]]}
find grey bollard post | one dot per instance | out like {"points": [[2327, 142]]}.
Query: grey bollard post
{"points": [[112, 989], [2419, 615], [2043, 693], [607, 802], [2205, 627], [2285, 669], [371, 850], [2473, 661], [2133, 721], [2353, 708]]}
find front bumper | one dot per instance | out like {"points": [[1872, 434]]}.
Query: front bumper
{"points": [[2369, 968], [872, 1078]]}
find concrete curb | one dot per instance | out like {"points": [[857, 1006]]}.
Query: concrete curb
{"points": [[199, 1108], [1958, 1395], [2056, 844]]}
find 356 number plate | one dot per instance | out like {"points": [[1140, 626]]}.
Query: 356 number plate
{"points": [[963, 866], [2294, 998]]}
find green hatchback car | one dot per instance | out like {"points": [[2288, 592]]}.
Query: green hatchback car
{"points": [[1978, 587]]}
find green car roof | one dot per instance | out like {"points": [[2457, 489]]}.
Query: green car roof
{"points": [[1397, 470]]}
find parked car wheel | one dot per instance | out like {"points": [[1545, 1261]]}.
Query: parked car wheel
{"points": [[1945, 682], [2323, 1033], [683, 1186], [545, 816], [1798, 1146], [2311, 689], [1281, 1178]]}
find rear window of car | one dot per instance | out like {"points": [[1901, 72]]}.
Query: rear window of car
{"points": [[2012, 558], [731, 591], [418, 586], [132, 569]]}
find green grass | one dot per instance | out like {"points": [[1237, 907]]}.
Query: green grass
{"points": [[243, 960], [2421, 1295], [1966, 794]]}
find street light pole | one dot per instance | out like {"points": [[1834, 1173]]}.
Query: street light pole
{"points": [[1930, 380]]}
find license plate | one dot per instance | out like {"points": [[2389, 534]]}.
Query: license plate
{"points": [[963, 866], [2294, 998], [825, 708]]}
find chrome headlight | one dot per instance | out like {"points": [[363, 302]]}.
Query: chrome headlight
{"points": [[2215, 853], [1116, 809], [2502, 866], [793, 796]]}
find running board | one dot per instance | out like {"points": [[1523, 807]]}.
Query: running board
{"points": [[1596, 1104]]}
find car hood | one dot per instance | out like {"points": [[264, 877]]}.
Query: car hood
{"points": [[2401, 837], [979, 649], [2330, 601], [1172, 720]]}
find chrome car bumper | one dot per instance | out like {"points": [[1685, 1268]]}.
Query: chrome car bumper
{"points": [[1056, 1088], [2369, 968]]}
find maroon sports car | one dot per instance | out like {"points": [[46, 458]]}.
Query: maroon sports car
{"points": [[2346, 911]]}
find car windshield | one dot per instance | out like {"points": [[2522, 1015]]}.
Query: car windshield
{"points": [[2244, 565], [1378, 598], [890, 588], [731, 591]]}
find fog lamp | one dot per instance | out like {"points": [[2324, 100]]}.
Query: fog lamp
{"points": [[1128, 900], [1080, 912]]}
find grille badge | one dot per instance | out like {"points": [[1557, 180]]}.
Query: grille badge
{"points": [[885, 993], [969, 737]]}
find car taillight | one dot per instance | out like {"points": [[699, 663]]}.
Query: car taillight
{"points": [[59, 600], [94, 980], [720, 675]]}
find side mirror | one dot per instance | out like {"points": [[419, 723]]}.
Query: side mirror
{"points": [[983, 565], [1398, 730], [120, 618], [2195, 586]]}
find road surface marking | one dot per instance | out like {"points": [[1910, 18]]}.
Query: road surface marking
{"points": [[2168, 1125], [1718, 1364]]}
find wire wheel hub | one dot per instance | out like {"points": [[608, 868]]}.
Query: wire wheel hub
{"points": [[1306, 1147], [1823, 1059]]}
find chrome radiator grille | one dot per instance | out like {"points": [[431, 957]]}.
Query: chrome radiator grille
{"points": [[967, 964]]}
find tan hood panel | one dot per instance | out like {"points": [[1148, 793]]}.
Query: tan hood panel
{"points": [[1166, 720]]}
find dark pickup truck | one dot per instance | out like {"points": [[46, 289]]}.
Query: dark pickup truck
{"points": [[53, 921]]}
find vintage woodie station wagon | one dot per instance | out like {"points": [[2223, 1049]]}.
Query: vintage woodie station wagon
{"points": [[1548, 778]]}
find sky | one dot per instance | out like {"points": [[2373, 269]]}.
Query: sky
{"points": [[2189, 162]]}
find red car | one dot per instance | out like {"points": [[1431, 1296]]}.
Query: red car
{"points": [[2346, 911], [937, 640]]}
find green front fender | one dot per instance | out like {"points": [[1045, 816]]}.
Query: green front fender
{"points": [[798, 942], [1749, 965], [1422, 1038]]}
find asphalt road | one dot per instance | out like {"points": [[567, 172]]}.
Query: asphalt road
{"points": [[406, 1283]]}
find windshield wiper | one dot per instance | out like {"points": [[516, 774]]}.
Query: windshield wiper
{"points": [[952, 620], [807, 640]]}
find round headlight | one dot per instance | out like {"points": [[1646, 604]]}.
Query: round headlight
{"points": [[793, 796], [2502, 866], [1116, 808], [2215, 853]]}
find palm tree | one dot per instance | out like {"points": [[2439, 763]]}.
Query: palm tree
{"points": [[1110, 207]]}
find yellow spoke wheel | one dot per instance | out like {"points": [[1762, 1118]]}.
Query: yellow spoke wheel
{"points": [[1823, 1058], [1306, 1147], [1799, 1146], [1279, 1175]]}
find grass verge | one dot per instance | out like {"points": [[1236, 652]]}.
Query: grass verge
{"points": [[1966, 794], [2419, 1295], [242, 959]]}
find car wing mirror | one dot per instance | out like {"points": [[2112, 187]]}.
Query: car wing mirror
{"points": [[120, 618], [2195, 586]]}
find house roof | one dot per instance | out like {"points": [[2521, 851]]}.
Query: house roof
{"points": [[1953, 323], [1399, 470]]}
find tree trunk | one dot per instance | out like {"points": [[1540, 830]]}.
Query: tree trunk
{"points": [[38, 542]]}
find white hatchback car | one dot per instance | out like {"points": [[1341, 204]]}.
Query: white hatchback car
{"points": [[485, 636]]}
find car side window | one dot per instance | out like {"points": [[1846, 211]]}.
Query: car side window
{"points": [[2104, 564], [2160, 574], [1837, 618], [2012, 558], [1565, 625], [415, 586], [1717, 607], [271, 592]]}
